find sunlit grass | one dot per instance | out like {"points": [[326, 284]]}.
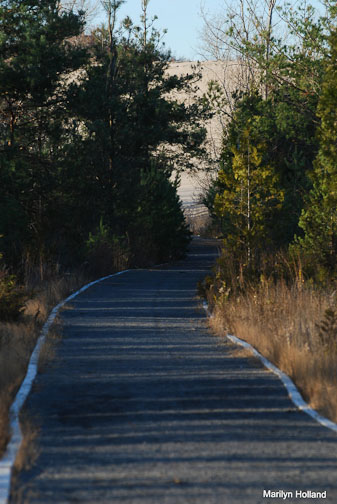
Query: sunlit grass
{"points": [[284, 323]]}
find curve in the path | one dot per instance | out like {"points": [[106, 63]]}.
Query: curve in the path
{"points": [[144, 405], [16, 437]]}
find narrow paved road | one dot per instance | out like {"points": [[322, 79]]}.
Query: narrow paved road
{"points": [[143, 405]]}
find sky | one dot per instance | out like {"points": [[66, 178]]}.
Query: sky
{"points": [[182, 19]]}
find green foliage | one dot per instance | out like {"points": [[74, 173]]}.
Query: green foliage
{"points": [[277, 182], [318, 221], [287, 98], [129, 119], [283, 144], [101, 236], [319, 217], [82, 121], [36, 56], [12, 297], [159, 214], [106, 253], [249, 198]]}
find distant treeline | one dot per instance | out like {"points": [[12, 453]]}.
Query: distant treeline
{"points": [[89, 136]]}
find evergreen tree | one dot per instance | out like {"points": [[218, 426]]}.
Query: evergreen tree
{"points": [[249, 197], [283, 143], [36, 55], [128, 126], [319, 218], [91, 133]]}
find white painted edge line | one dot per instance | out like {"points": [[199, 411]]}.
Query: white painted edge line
{"points": [[293, 392], [7, 462]]}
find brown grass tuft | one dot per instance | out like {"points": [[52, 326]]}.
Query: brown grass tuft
{"points": [[5, 402], [48, 349], [28, 451], [26, 457]]}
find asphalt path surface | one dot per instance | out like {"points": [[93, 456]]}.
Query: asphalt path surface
{"points": [[143, 405]]}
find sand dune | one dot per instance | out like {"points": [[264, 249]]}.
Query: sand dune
{"points": [[226, 74]]}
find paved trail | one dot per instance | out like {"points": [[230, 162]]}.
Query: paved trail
{"points": [[144, 406]]}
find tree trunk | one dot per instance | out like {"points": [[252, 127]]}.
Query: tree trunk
{"points": [[268, 41]]}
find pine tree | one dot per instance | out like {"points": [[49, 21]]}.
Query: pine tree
{"points": [[36, 56], [281, 141], [249, 198], [83, 129], [128, 127], [319, 218]]}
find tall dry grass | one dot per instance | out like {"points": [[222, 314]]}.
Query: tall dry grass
{"points": [[293, 325], [17, 340]]}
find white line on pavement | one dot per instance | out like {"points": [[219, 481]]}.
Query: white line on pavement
{"points": [[293, 392], [7, 462]]}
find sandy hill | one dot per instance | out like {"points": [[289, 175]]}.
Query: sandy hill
{"points": [[225, 74]]}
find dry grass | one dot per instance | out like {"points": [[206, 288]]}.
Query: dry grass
{"points": [[28, 451], [48, 349], [289, 325], [5, 401], [17, 340], [51, 293]]}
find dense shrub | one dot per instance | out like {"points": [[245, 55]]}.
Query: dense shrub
{"points": [[105, 252], [12, 297]]}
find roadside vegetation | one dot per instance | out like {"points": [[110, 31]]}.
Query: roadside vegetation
{"points": [[90, 135], [18, 336], [273, 201]]}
